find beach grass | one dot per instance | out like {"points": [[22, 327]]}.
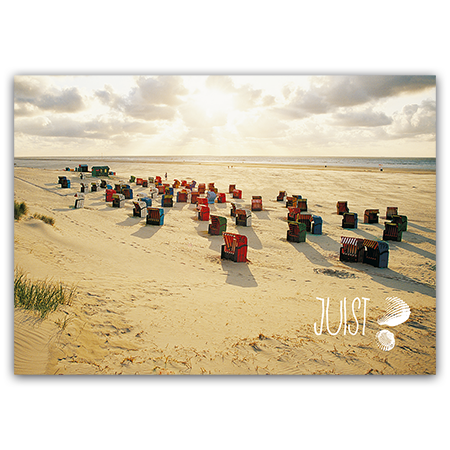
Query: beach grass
{"points": [[20, 209], [46, 219], [42, 296]]}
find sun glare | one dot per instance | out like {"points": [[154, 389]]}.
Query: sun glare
{"points": [[214, 102]]}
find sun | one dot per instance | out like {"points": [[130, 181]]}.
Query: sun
{"points": [[214, 102]]}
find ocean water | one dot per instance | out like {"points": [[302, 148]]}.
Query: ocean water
{"points": [[365, 163]]}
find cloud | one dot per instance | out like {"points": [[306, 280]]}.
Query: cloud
{"points": [[66, 126], [329, 93], [262, 126], [366, 118], [154, 98], [34, 94], [415, 120]]}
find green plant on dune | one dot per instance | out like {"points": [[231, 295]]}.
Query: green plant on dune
{"points": [[20, 209], [46, 219], [42, 296]]}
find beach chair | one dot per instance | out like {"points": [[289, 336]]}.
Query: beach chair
{"points": [[350, 220], [218, 225], [192, 185], [84, 187], [306, 219], [237, 193], [145, 183], [202, 201], [221, 198], [139, 181], [203, 212], [233, 209], [176, 184], [167, 201], [103, 184], [376, 253], [231, 188], [302, 203], [109, 195], [292, 201], [243, 217], [352, 249], [61, 179], [371, 215], [94, 186], [211, 196], [158, 181], [118, 200], [132, 179], [292, 214], [153, 191], [281, 196], [155, 216], [391, 211], [168, 190], [140, 209], [402, 222], [79, 200], [127, 192], [184, 183], [391, 232], [201, 188], [65, 182], [341, 208], [151, 180], [211, 187], [182, 196], [296, 232], [234, 247], [194, 197], [256, 203], [316, 227], [143, 198], [161, 189]]}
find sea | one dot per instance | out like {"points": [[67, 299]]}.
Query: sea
{"points": [[421, 164]]}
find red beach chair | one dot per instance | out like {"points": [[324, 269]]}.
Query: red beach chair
{"points": [[218, 225], [371, 215], [221, 198], [182, 196], [139, 181], [235, 247], [201, 188], [231, 188], [194, 197], [203, 212], [352, 249], [293, 213], [109, 195], [302, 203], [256, 203], [281, 196], [237, 193], [350, 220], [341, 208]]}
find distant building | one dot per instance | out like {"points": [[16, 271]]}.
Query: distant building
{"points": [[100, 171], [82, 168]]}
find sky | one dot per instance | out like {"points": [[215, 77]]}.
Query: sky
{"points": [[224, 115]]}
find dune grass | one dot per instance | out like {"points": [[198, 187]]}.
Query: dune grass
{"points": [[20, 209], [40, 296], [46, 219]]}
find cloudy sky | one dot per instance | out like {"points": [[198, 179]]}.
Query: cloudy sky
{"points": [[225, 115]]}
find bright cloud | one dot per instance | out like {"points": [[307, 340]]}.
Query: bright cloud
{"points": [[221, 114]]}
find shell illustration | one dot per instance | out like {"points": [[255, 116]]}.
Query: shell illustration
{"points": [[397, 312], [386, 340]]}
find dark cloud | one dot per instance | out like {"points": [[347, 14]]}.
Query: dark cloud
{"points": [[329, 93]]}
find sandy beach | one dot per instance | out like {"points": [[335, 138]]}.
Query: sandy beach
{"points": [[160, 300]]}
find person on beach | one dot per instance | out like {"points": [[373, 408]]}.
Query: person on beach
{"points": [[165, 175]]}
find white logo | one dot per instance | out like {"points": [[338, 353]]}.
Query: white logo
{"points": [[397, 312]]}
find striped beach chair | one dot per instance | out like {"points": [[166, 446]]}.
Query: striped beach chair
{"points": [[182, 196], [306, 219], [352, 249], [376, 253], [79, 200], [234, 247], [167, 201]]}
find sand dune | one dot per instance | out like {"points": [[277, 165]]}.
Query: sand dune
{"points": [[157, 300]]}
